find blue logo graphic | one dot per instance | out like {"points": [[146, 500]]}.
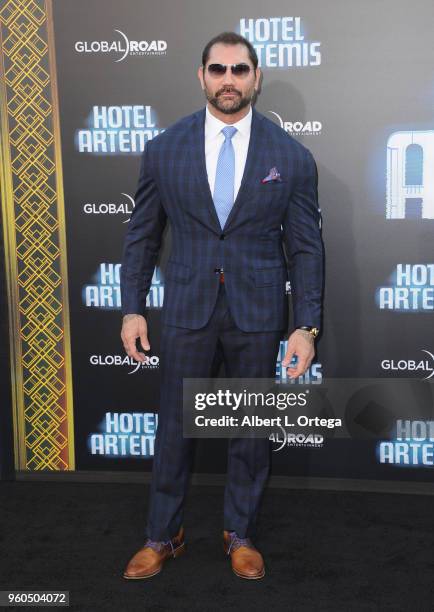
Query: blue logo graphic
{"points": [[117, 130], [105, 292], [410, 175], [125, 434], [411, 288], [280, 42], [412, 447]]}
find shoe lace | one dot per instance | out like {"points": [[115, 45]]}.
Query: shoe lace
{"points": [[236, 542]]}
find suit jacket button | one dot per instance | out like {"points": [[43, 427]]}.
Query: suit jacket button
{"points": [[222, 236]]}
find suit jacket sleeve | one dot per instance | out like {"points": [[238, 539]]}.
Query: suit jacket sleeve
{"points": [[142, 241], [304, 247]]}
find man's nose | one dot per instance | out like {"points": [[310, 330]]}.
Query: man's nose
{"points": [[228, 78]]}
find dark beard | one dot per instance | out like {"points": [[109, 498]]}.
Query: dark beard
{"points": [[228, 110]]}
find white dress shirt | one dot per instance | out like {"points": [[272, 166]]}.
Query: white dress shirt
{"points": [[214, 140]]}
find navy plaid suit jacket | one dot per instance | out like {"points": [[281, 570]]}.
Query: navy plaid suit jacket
{"points": [[173, 185]]}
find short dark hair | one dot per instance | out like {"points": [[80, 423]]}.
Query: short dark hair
{"points": [[230, 38]]}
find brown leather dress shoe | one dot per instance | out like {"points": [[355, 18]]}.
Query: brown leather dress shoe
{"points": [[149, 560], [247, 561]]}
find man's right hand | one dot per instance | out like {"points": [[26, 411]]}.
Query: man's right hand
{"points": [[134, 326]]}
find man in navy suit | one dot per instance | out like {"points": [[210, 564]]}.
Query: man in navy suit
{"points": [[236, 190]]}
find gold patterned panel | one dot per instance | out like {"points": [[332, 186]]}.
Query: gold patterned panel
{"points": [[34, 235]]}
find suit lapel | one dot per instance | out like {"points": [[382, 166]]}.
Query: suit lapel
{"points": [[255, 153], [254, 157], [199, 166]]}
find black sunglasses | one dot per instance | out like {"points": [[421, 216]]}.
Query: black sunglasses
{"points": [[236, 69]]}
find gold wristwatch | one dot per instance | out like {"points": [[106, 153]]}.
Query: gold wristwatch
{"points": [[314, 331]]}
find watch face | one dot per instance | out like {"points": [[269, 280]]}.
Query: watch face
{"points": [[314, 331]]}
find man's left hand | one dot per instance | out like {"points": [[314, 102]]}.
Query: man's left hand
{"points": [[300, 343]]}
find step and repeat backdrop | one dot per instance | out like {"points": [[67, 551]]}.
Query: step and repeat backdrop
{"points": [[85, 85]]}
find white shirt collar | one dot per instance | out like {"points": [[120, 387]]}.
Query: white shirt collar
{"points": [[213, 126]]}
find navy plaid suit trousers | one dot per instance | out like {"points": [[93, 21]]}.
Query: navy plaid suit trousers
{"points": [[189, 353]]}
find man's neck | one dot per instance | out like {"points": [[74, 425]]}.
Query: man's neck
{"points": [[229, 119]]}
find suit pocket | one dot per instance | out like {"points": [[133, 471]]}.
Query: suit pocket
{"points": [[267, 277], [274, 185], [178, 272]]}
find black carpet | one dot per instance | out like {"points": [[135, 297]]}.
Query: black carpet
{"points": [[323, 550]]}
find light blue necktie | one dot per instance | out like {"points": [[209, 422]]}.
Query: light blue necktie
{"points": [[225, 177]]}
